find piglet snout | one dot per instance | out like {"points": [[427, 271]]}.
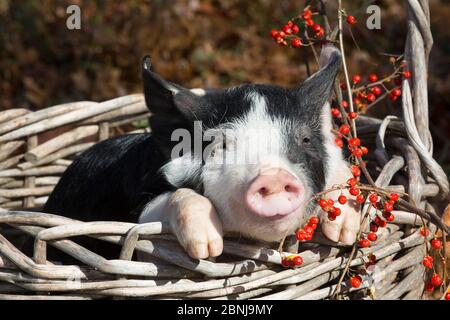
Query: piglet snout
{"points": [[274, 193]]}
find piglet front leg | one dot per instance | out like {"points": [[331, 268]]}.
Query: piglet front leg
{"points": [[346, 226], [192, 219]]}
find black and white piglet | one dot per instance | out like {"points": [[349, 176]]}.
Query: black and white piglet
{"points": [[202, 191]]}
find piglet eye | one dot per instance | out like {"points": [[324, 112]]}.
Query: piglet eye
{"points": [[306, 140]]}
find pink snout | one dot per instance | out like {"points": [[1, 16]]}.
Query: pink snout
{"points": [[275, 192]]}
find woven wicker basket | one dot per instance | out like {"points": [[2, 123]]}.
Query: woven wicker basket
{"points": [[36, 148]]}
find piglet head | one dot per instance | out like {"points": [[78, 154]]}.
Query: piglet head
{"points": [[263, 150]]}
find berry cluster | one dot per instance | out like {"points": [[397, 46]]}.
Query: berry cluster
{"points": [[327, 205], [307, 232], [291, 30], [356, 280], [435, 280], [304, 234], [292, 261], [375, 89], [354, 144], [386, 206]]}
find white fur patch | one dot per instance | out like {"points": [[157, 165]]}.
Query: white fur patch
{"points": [[181, 169], [155, 209], [198, 91]]}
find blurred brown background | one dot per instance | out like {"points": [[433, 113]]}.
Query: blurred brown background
{"points": [[196, 43]]}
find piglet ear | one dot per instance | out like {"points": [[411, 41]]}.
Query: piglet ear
{"points": [[316, 90], [166, 98]]}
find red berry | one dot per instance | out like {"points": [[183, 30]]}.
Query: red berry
{"points": [[390, 218], [394, 197], [354, 142], [316, 28], [392, 97], [424, 232], [364, 150], [356, 79], [344, 129], [372, 260], [354, 191], [372, 236], [352, 115], [342, 199], [373, 227], [343, 86], [397, 92], [339, 142], [330, 202], [320, 33], [336, 211], [274, 33], [285, 262], [287, 29], [309, 22], [308, 229], [314, 220], [296, 43], [360, 199], [313, 225], [429, 287], [335, 112], [351, 20], [373, 77], [308, 236], [364, 243], [406, 74], [436, 244], [428, 262], [436, 280], [376, 90], [378, 205], [447, 296], [331, 216], [344, 104], [295, 29], [290, 23], [380, 222], [352, 182], [323, 203], [356, 281], [300, 235], [388, 207], [356, 171], [298, 261], [373, 198], [307, 14], [357, 152], [371, 97]]}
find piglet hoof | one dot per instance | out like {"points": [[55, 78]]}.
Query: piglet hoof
{"points": [[196, 224]]}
